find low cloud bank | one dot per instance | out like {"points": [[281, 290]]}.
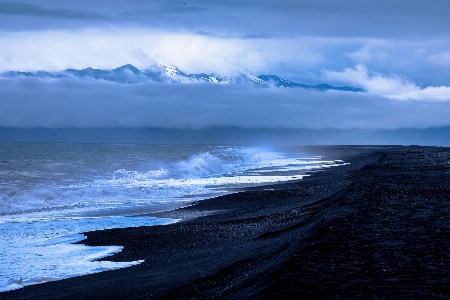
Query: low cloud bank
{"points": [[393, 87], [441, 93], [33, 103]]}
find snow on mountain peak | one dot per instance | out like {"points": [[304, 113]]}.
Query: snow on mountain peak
{"points": [[170, 70], [254, 78]]}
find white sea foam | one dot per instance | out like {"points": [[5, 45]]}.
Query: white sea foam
{"points": [[42, 250]]}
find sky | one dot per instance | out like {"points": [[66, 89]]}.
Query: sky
{"points": [[398, 51]]}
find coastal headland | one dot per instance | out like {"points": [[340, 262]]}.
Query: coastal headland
{"points": [[377, 227]]}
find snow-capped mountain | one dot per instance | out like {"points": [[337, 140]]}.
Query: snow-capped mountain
{"points": [[129, 74]]}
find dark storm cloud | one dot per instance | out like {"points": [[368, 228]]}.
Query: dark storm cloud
{"points": [[26, 9], [352, 18], [355, 18], [69, 103], [165, 7]]}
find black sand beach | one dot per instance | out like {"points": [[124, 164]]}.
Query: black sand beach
{"points": [[376, 228]]}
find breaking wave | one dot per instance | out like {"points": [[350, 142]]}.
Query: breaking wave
{"points": [[179, 178]]}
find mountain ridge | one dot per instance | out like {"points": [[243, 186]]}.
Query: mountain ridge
{"points": [[129, 74]]}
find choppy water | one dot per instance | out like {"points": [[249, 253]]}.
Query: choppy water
{"points": [[50, 193]]}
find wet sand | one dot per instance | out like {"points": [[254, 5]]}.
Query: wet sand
{"points": [[376, 228]]}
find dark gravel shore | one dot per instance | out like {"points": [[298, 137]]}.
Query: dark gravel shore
{"points": [[376, 228]]}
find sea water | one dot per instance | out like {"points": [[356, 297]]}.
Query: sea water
{"points": [[51, 193]]}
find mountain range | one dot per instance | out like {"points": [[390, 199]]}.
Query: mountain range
{"points": [[129, 74]]}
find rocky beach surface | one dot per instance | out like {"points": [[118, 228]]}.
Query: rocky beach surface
{"points": [[378, 227]]}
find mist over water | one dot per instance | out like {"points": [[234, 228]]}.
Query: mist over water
{"points": [[50, 193]]}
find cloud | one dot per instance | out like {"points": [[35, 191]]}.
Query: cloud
{"points": [[372, 50], [424, 61], [326, 18], [440, 59], [431, 93], [297, 59], [26, 9], [392, 87], [30, 102], [373, 83], [193, 53]]}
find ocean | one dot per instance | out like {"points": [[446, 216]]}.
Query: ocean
{"points": [[50, 193]]}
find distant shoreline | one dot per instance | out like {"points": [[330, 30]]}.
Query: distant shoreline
{"points": [[375, 227], [230, 135]]}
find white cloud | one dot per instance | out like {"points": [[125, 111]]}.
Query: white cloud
{"points": [[58, 50], [440, 59], [422, 61], [372, 50], [392, 87], [431, 93], [373, 83]]}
